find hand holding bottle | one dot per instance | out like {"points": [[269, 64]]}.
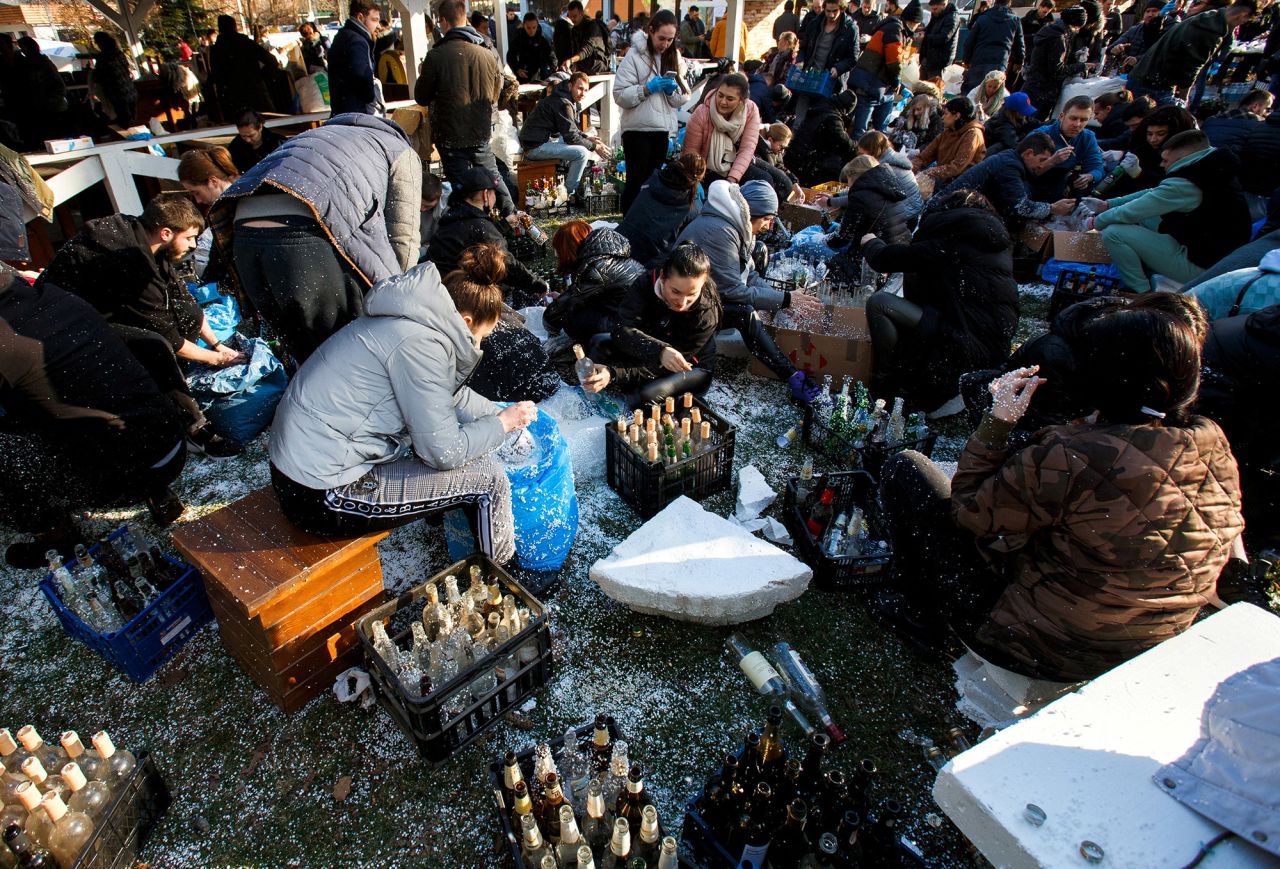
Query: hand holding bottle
{"points": [[517, 415], [1012, 392], [673, 360]]}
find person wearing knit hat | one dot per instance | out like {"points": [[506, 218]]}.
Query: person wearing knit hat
{"points": [[1051, 60], [726, 229]]}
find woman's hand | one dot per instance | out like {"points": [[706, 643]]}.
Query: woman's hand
{"points": [[673, 360], [517, 415], [797, 195], [226, 356], [1011, 393], [598, 380]]}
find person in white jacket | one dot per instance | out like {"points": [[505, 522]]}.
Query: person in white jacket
{"points": [[651, 85], [378, 427]]}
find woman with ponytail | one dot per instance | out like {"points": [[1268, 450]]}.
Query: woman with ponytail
{"points": [[378, 427]]}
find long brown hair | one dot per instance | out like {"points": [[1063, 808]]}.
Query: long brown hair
{"points": [[670, 59], [197, 167], [473, 285]]}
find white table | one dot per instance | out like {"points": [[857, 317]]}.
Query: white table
{"points": [[1088, 758]]}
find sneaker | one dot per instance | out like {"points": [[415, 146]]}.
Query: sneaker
{"points": [[204, 441], [951, 408], [165, 508]]}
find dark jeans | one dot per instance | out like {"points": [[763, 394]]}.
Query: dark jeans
{"points": [[659, 383], [645, 150], [156, 354], [458, 160], [758, 340], [936, 564], [42, 482], [889, 319], [871, 111], [295, 279]]}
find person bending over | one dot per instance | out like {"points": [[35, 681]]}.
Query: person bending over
{"points": [[1060, 561], [378, 427], [664, 341], [599, 274]]}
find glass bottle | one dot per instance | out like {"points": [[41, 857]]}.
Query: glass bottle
{"points": [[521, 804], [35, 772], [619, 846], [750, 768], [470, 619], [549, 860], [616, 783], [451, 595], [804, 485], [585, 858], [138, 575], [788, 787], [811, 772], [807, 690], [757, 667], [582, 365], [632, 801], [788, 846], [9, 781], [12, 754], [85, 795], [30, 854], [847, 838], [820, 516], [773, 753], [511, 774], [834, 799], [648, 845], [880, 842], [863, 775], [36, 824], [601, 744], [120, 763], [69, 591], [549, 810], [668, 858], [70, 829], [724, 802], [97, 587], [570, 836], [574, 770], [958, 740], [532, 846], [595, 829], [750, 840]]}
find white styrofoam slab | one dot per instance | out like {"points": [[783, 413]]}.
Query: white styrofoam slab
{"points": [[1088, 759], [688, 564]]}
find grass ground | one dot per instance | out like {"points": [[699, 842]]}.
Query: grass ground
{"points": [[253, 787]]}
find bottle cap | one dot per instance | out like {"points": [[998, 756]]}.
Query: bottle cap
{"points": [[29, 795], [837, 735], [29, 738], [74, 776], [33, 769], [7, 745], [103, 743]]}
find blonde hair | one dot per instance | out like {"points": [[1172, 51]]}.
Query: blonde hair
{"points": [[788, 41], [197, 167], [779, 132], [855, 168]]}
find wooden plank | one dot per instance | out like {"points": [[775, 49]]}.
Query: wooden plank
{"points": [[315, 587]]}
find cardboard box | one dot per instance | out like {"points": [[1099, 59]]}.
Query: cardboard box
{"points": [[837, 343], [1074, 247], [798, 217], [62, 146]]}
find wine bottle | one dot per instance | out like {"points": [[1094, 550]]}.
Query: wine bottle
{"points": [[811, 771], [806, 690], [71, 830], [619, 846], [847, 838], [789, 845], [751, 839], [84, 794], [756, 667], [750, 767]]}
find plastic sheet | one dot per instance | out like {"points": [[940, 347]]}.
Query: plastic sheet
{"points": [[240, 400], [544, 502]]}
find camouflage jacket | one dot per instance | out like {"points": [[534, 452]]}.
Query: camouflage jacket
{"points": [[1110, 537]]}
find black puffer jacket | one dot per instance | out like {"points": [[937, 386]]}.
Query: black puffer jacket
{"points": [[1260, 157], [655, 219], [941, 37], [1003, 133], [876, 205], [464, 226], [1048, 66], [602, 276], [821, 146], [646, 326], [959, 269]]}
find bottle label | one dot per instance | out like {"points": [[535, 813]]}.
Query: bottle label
{"points": [[758, 669], [753, 856]]}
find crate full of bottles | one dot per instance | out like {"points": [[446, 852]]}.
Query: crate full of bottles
{"points": [[453, 655], [599, 195], [771, 806], [128, 601], [579, 802], [858, 433], [811, 81], [680, 447], [75, 807], [1075, 285], [837, 527]]}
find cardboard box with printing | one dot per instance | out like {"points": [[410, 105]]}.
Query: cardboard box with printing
{"points": [[835, 342]]}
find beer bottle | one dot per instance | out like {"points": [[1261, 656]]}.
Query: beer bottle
{"points": [[789, 845], [847, 839], [619, 846], [811, 772], [721, 801], [632, 801], [750, 765], [601, 744], [750, 839], [863, 775], [549, 812], [773, 754], [880, 843]]}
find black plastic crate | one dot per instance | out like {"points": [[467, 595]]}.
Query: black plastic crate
{"points": [[136, 807], [150, 638], [609, 201], [650, 486], [868, 457], [525, 757], [1076, 286], [424, 719], [844, 572], [524, 247]]}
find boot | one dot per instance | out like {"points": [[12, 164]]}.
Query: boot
{"points": [[165, 508]]}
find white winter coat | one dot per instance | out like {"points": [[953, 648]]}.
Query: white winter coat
{"points": [[386, 384], [641, 110]]}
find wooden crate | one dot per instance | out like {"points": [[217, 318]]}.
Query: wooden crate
{"points": [[528, 171], [286, 601]]}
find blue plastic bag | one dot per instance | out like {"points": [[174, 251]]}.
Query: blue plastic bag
{"points": [[544, 502], [240, 400], [811, 241], [223, 317], [204, 293], [1053, 267]]}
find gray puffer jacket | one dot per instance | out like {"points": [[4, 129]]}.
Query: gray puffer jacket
{"points": [[723, 230], [386, 384], [369, 207]]}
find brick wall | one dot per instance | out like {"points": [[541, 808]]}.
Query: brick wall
{"points": [[759, 16]]}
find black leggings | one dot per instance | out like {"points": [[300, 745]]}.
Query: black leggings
{"points": [[645, 150], [888, 316], [757, 338]]}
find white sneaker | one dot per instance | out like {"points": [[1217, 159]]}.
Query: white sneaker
{"points": [[951, 408]]}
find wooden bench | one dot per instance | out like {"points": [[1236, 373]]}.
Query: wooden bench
{"points": [[286, 601]]}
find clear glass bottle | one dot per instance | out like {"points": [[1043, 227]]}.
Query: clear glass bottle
{"points": [[619, 846], [756, 667], [585, 858], [452, 596], [595, 827], [570, 836], [574, 770], [84, 794], [649, 841], [97, 587], [12, 754], [120, 762], [71, 830], [532, 846], [9, 782], [615, 784], [36, 824], [35, 772], [582, 365], [72, 595], [385, 647]]}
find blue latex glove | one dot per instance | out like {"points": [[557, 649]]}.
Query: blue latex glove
{"points": [[671, 85], [657, 84], [803, 389]]}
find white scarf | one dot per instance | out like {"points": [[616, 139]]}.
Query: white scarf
{"points": [[725, 135]]}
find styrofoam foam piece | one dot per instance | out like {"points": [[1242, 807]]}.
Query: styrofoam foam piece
{"points": [[692, 565], [1088, 759]]}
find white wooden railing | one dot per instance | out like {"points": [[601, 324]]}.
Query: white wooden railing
{"points": [[115, 164]]}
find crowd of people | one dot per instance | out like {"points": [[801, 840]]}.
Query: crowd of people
{"points": [[388, 288]]}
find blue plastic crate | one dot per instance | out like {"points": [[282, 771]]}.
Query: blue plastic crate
{"points": [[151, 637], [808, 81]]}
